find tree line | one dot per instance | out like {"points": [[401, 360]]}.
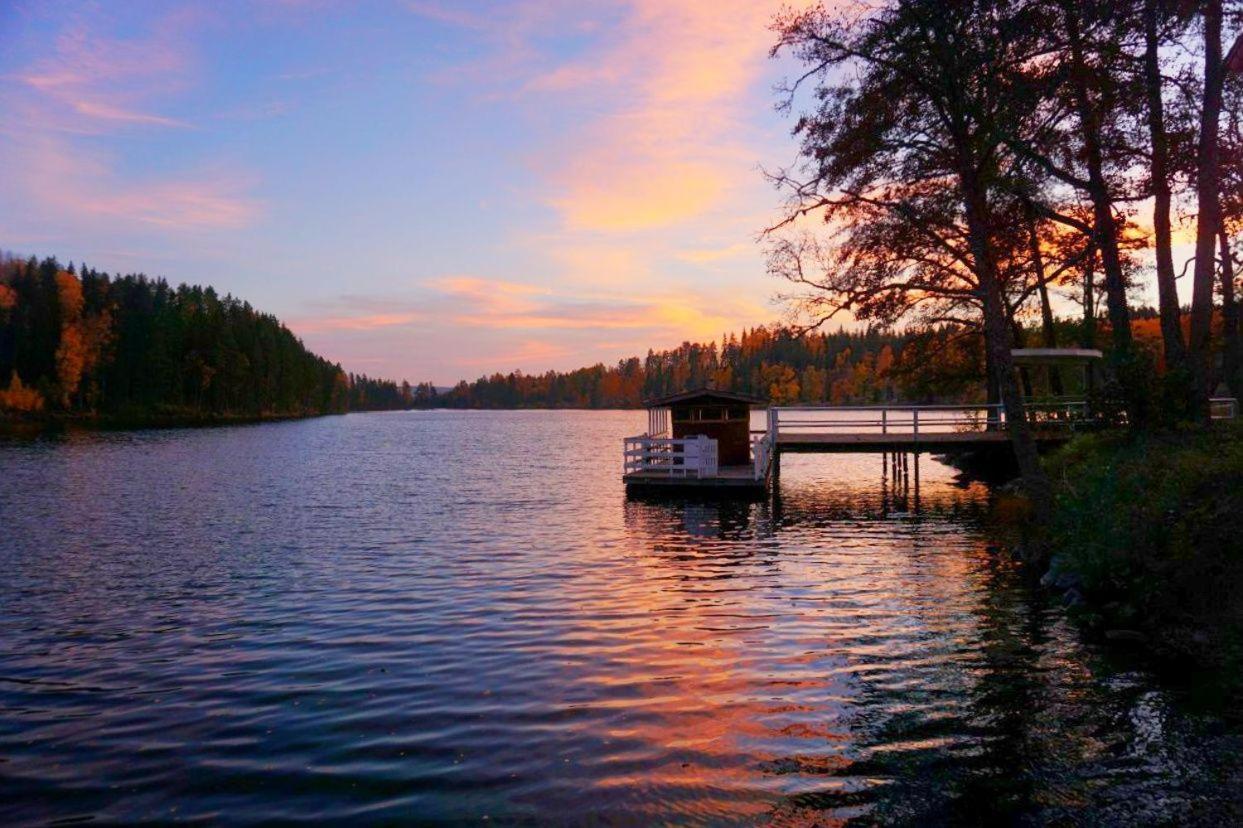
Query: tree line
{"points": [[76, 341], [959, 162], [773, 363]]}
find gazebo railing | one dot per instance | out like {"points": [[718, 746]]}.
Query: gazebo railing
{"points": [[1223, 408], [666, 457]]}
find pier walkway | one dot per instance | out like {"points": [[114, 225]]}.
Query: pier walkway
{"points": [[658, 460]]}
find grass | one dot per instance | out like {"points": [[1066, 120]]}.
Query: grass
{"points": [[1148, 529]]}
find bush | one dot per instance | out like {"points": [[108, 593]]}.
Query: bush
{"points": [[1150, 527]]}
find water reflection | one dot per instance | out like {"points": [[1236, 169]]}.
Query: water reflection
{"points": [[446, 616], [910, 674]]}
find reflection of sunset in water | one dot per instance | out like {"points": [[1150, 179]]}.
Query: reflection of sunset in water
{"points": [[453, 615]]}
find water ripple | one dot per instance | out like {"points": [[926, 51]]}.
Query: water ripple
{"points": [[445, 616]]}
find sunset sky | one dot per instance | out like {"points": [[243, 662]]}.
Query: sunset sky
{"points": [[420, 189], [428, 189]]}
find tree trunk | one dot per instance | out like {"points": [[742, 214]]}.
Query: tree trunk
{"points": [[1048, 334], [1020, 341], [992, 392], [1087, 337], [1098, 192], [997, 339], [1232, 358], [1167, 291], [1208, 222]]}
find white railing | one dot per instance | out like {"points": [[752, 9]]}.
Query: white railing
{"points": [[761, 453], [1223, 408], [690, 457], [914, 420]]}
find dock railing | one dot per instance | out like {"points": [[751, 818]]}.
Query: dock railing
{"points": [[884, 419], [914, 420], [666, 457], [761, 452], [1223, 408]]}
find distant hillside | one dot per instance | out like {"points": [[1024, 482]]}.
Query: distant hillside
{"points": [[773, 363], [81, 343]]}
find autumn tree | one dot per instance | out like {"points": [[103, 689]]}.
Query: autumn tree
{"points": [[906, 125]]}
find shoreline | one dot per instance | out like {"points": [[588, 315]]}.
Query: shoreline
{"points": [[1146, 542]]}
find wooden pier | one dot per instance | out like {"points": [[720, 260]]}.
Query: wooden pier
{"points": [[686, 457]]}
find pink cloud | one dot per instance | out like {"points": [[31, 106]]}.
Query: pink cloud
{"points": [[112, 113], [353, 323], [72, 181], [112, 80], [93, 83]]}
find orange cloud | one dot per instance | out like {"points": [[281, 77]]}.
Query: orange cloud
{"points": [[504, 305], [353, 323], [679, 77], [526, 352]]}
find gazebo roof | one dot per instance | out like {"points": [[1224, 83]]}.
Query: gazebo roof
{"points": [[704, 395], [1054, 356]]}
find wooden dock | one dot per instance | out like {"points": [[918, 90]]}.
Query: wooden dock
{"points": [[659, 461], [927, 443]]}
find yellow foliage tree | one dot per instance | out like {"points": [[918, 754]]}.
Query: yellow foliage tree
{"points": [[812, 382], [18, 397], [71, 357], [781, 382]]}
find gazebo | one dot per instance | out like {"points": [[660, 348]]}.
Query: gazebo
{"points": [[1068, 374]]}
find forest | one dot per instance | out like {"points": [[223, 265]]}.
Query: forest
{"points": [[76, 342], [962, 164], [774, 363], [79, 343]]}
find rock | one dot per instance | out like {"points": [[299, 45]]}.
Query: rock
{"points": [[1073, 598], [1068, 580], [1129, 636]]}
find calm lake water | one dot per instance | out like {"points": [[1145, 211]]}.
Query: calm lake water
{"points": [[453, 616]]}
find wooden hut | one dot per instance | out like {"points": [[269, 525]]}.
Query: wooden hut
{"points": [[719, 415]]}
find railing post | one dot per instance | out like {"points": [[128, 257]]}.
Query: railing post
{"points": [[915, 422], [884, 421]]}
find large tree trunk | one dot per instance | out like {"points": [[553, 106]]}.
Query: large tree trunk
{"points": [[1098, 191], [1167, 291], [997, 342], [1208, 222], [1087, 336], [1232, 357], [1048, 333], [1020, 341], [992, 392]]}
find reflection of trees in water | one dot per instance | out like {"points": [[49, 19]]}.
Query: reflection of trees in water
{"points": [[894, 489], [666, 519], [942, 686]]}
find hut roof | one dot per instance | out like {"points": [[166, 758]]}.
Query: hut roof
{"points": [[1054, 356], [704, 395]]}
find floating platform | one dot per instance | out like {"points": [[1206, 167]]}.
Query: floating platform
{"points": [[735, 478]]}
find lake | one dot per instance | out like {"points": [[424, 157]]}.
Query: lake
{"points": [[452, 616]]}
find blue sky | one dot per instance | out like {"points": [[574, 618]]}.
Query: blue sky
{"points": [[427, 190]]}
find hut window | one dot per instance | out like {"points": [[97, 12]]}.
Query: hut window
{"points": [[703, 414]]}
